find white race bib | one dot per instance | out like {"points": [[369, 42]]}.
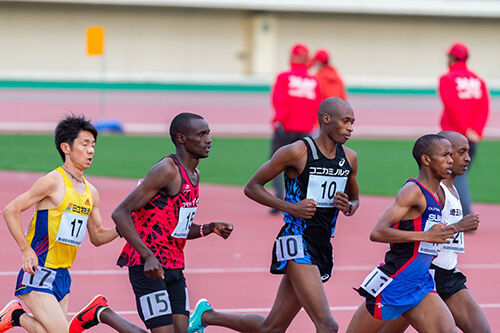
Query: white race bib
{"points": [[43, 278], [155, 304], [186, 217], [375, 282], [322, 189], [457, 243], [289, 247], [429, 248], [72, 229]]}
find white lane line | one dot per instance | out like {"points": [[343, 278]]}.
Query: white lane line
{"points": [[267, 310], [246, 270]]}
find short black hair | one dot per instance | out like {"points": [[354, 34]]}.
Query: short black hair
{"points": [[425, 145], [181, 124], [69, 128]]}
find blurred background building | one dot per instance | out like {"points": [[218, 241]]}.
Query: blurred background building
{"points": [[391, 44]]}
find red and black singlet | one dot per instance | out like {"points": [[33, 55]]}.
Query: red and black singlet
{"points": [[163, 224]]}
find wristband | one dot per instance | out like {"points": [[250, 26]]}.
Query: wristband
{"points": [[201, 230], [349, 211], [118, 232]]}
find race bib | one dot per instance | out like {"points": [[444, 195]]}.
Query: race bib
{"points": [[186, 217], [429, 248], [322, 189], [43, 278], [155, 304], [375, 282], [72, 229], [457, 243], [289, 247]]}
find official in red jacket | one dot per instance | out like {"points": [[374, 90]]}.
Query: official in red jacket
{"points": [[466, 108], [330, 81]]}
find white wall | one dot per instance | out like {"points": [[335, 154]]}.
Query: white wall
{"points": [[47, 41]]}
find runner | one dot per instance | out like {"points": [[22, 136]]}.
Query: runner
{"points": [[66, 207], [156, 219], [449, 281], [412, 225], [320, 182]]}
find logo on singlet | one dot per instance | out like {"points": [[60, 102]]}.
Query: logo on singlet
{"points": [[313, 170], [78, 209], [342, 162], [434, 218]]}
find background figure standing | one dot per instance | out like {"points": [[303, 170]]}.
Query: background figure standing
{"points": [[296, 97], [466, 108], [330, 81]]}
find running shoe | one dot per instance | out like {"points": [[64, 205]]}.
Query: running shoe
{"points": [[89, 315], [6, 322], [195, 324]]}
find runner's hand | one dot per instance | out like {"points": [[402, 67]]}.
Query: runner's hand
{"points": [[304, 209], [152, 268], [341, 202], [440, 233], [221, 229], [30, 261], [469, 222]]}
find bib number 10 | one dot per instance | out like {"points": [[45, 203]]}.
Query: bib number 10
{"points": [[322, 189], [289, 247]]}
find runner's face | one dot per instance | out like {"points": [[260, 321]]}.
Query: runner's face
{"points": [[460, 155], [198, 140], [342, 125], [82, 152], [441, 161]]}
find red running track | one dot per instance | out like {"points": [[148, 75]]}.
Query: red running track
{"points": [[233, 274]]}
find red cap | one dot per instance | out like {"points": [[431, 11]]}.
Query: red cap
{"points": [[322, 56], [459, 51], [300, 50]]}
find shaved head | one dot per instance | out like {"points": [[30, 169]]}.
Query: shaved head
{"points": [[332, 106], [455, 138]]}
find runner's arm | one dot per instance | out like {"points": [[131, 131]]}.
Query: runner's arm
{"points": [[42, 188], [158, 178], [288, 158], [97, 233], [409, 204], [348, 202]]}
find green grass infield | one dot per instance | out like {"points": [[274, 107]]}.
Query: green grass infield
{"points": [[384, 165]]}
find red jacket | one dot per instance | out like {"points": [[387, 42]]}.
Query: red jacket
{"points": [[465, 99], [331, 83], [296, 97]]}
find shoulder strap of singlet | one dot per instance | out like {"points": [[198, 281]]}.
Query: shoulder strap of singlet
{"points": [[183, 171], [314, 151], [424, 190]]}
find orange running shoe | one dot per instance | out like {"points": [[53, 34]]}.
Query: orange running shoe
{"points": [[6, 315], [89, 315]]}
